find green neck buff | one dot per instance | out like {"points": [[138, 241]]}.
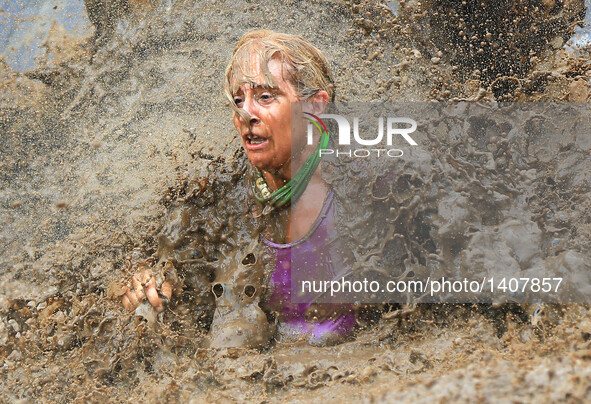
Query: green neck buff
{"points": [[295, 187]]}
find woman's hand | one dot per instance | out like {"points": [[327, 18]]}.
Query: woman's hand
{"points": [[143, 286]]}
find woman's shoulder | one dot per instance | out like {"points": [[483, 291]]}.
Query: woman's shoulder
{"points": [[321, 222]]}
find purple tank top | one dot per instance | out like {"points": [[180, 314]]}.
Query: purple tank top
{"points": [[313, 246]]}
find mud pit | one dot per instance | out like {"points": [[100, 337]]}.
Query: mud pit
{"points": [[119, 147]]}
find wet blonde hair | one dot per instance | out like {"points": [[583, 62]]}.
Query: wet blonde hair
{"points": [[306, 67]]}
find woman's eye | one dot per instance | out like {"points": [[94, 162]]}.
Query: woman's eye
{"points": [[265, 97], [237, 100]]}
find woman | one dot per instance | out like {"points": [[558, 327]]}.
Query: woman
{"points": [[273, 82]]}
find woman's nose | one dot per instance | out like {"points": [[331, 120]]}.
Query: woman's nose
{"points": [[250, 107]]}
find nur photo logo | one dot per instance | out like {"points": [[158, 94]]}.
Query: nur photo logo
{"points": [[380, 145]]}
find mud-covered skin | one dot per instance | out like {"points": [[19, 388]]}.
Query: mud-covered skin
{"points": [[239, 321]]}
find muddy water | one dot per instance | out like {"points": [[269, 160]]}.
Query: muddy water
{"points": [[120, 150], [465, 200]]}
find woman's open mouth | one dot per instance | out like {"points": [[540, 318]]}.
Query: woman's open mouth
{"points": [[254, 139], [254, 142]]}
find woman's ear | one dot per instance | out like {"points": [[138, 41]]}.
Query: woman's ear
{"points": [[319, 101]]}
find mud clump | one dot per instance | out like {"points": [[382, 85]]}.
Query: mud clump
{"points": [[239, 285], [500, 40]]}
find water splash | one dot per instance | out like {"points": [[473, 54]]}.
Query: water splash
{"points": [[393, 5], [582, 36], [25, 25]]}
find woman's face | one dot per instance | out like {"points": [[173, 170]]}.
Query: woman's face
{"points": [[267, 134]]}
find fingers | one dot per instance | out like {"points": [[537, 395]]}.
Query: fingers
{"points": [[127, 304], [129, 299], [152, 295], [137, 285], [166, 289], [143, 286]]}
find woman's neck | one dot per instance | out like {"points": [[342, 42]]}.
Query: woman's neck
{"points": [[278, 178], [292, 223], [305, 211]]}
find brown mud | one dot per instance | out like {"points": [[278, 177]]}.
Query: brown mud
{"points": [[119, 149]]}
